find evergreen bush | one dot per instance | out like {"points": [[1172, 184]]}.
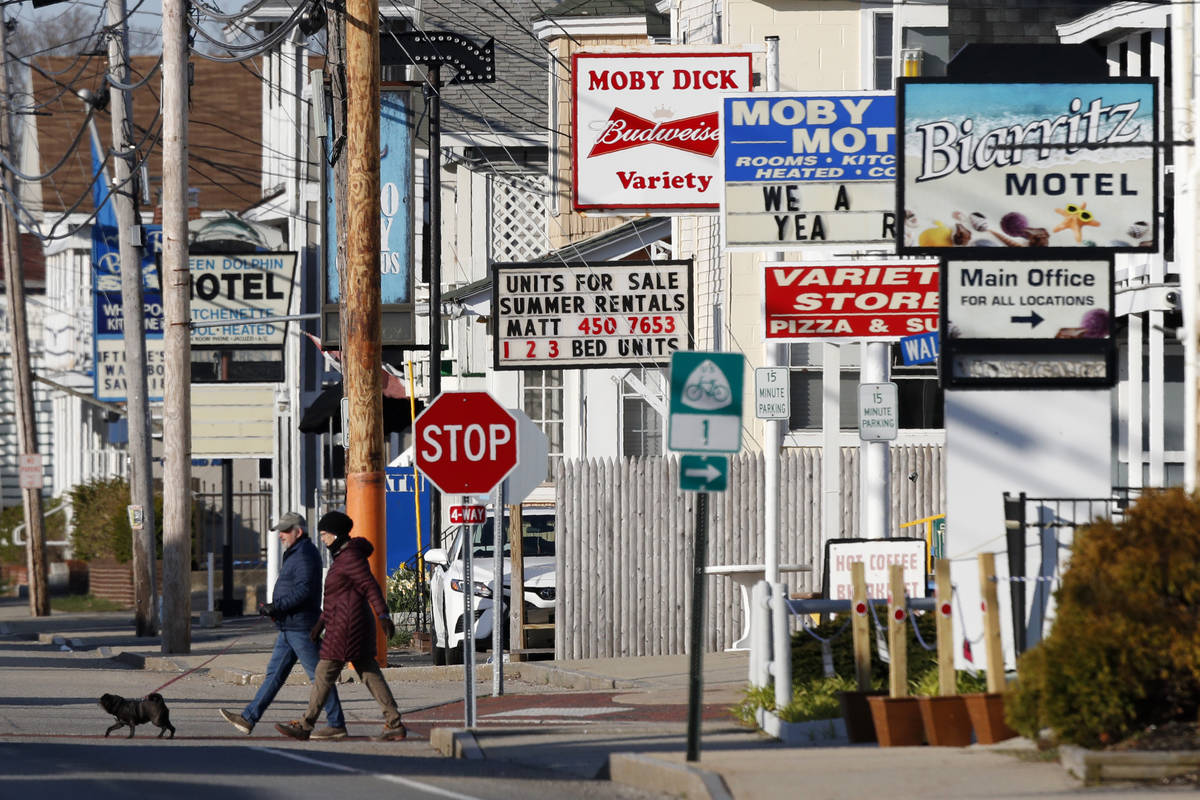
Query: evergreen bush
{"points": [[100, 520], [1123, 653]]}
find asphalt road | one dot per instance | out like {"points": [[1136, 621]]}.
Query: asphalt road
{"points": [[52, 742]]}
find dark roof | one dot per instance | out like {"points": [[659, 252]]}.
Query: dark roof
{"points": [[33, 262], [656, 24], [516, 101], [1015, 21]]}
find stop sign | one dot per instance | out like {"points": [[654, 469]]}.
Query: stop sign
{"points": [[466, 442]]}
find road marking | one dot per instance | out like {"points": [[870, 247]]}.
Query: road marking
{"points": [[424, 787], [564, 711]]}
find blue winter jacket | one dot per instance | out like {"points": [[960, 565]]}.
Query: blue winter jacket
{"points": [[297, 596]]}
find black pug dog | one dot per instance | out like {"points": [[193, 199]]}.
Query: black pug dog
{"points": [[136, 712]]}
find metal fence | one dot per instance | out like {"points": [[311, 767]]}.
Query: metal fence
{"points": [[251, 516], [625, 533]]}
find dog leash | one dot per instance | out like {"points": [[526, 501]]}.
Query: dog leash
{"points": [[203, 663]]}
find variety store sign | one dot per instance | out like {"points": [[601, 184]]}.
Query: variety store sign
{"points": [[645, 128], [806, 168], [626, 313], [1042, 166], [862, 300]]}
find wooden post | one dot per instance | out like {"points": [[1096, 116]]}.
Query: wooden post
{"points": [[516, 589], [22, 372], [177, 344], [897, 632], [361, 324], [947, 679], [860, 626], [141, 481], [989, 591]]}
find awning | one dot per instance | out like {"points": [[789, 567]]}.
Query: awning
{"points": [[326, 410]]}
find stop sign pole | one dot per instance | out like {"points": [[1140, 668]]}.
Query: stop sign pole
{"points": [[466, 443]]}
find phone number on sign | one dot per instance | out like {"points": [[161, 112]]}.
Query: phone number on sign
{"points": [[600, 326]]}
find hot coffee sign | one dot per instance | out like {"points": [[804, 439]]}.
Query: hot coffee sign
{"points": [[646, 130]]}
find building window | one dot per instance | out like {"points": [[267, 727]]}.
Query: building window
{"points": [[882, 51], [641, 424], [543, 403], [806, 387]]}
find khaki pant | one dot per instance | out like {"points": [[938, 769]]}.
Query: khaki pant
{"points": [[325, 678]]}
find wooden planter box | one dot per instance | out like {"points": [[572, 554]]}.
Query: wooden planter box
{"points": [[856, 712], [986, 710], [897, 721], [946, 721]]}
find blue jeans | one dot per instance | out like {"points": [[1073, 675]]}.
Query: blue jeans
{"points": [[290, 647]]}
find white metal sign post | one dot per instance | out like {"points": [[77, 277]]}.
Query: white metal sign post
{"points": [[466, 443]]}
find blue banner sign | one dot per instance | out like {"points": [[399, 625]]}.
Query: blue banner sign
{"points": [[923, 348]]}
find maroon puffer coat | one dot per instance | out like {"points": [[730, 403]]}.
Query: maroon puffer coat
{"points": [[351, 595]]}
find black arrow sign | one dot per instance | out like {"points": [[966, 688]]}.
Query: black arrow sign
{"points": [[471, 63], [1033, 319]]}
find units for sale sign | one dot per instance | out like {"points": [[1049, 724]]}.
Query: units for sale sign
{"points": [[605, 314], [872, 300], [808, 168], [645, 129]]}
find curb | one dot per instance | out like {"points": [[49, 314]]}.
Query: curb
{"points": [[455, 743], [1095, 766], [668, 777]]}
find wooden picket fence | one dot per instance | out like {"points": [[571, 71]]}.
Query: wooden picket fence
{"points": [[625, 534]]}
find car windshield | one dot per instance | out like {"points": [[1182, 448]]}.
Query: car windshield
{"points": [[537, 537]]}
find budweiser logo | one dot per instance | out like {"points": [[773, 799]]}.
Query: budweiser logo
{"points": [[696, 134]]}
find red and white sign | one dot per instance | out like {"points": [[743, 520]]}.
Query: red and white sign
{"points": [[645, 127], [877, 555], [29, 470], [863, 300], [466, 442], [468, 515]]}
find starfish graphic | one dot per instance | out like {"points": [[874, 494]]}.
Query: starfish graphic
{"points": [[1076, 218]]}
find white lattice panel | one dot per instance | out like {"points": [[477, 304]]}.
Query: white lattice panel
{"points": [[518, 217]]}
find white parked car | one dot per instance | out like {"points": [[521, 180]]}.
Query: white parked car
{"points": [[446, 584]]}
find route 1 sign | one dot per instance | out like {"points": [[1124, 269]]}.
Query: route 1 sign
{"points": [[466, 442], [706, 402]]}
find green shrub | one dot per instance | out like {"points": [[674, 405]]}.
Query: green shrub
{"points": [[807, 662], [403, 591], [1123, 653], [101, 520], [14, 516]]}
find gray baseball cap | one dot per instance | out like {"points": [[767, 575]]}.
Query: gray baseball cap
{"points": [[288, 521]]}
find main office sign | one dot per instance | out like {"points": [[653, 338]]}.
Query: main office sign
{"points": [[645, 129], [616, 313], [808, 169], [1042, 167]]}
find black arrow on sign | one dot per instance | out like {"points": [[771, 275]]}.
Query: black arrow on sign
{"points": [[470, 62], [1033, 319]]}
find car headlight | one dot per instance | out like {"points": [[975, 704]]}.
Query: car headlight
{"points": [[481, 589]]}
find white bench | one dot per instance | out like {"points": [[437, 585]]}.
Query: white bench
{"points": [[745, 576]]}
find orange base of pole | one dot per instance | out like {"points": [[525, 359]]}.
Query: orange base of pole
{"points": [[365, 504]]}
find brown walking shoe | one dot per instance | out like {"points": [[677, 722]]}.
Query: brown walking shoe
{"points": [[295, 729], [391, 733], [328, 732]]}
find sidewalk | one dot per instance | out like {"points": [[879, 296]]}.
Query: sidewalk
{"points": [[643, 745]]}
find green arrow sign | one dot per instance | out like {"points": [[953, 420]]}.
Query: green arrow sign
{"points": [[706, 402], [703, 473]]}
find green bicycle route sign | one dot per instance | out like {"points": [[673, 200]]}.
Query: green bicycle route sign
{"points": [[705, 414]]}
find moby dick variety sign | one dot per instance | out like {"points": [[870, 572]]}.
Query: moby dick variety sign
{"points": [[645, 127], [808, 168], [1041, 166]]}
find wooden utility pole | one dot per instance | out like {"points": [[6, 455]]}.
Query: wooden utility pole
{"points": [[18, 336], [361, 325], [141, 480], [177, 345]]}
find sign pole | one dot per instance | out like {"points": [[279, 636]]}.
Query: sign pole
{"points": [[468, 642], [696, 632], [498, 594], [876, 456]]}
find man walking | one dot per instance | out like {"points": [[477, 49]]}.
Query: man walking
{"points": [[295, 607], [349, 629]]}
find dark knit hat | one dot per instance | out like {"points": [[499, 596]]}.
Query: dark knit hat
{"points": [[335, 522]]}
